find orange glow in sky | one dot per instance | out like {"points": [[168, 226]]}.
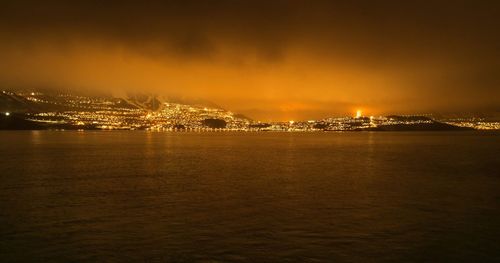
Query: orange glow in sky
{"points": [[263, 59]]}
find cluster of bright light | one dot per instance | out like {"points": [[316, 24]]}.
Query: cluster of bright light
{"points": [[478, 124], [109, 114], [358, 114]]}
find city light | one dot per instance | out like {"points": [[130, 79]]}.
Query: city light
{"points": [[82, 112]]}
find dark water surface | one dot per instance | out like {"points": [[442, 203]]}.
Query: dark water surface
{"points": [[249, 197]]}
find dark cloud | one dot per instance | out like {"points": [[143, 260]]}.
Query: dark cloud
{"points": [[375, 28]]}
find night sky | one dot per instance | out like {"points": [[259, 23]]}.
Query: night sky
{"points": [[270, 60]]}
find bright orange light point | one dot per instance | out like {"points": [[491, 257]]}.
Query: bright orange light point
{"points": [[358, 114]]}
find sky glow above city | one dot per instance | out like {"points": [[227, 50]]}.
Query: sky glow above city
{"points": [[270, 60]]}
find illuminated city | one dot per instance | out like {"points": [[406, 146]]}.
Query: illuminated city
{"points": [[68, 111]]}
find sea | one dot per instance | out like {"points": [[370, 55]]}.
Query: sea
{"points": [[139, 196]]}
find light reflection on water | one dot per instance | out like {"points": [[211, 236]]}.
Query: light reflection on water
{"points": [[251, 197]]}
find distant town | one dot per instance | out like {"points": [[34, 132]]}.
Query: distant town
{"points": [[65, 111]]}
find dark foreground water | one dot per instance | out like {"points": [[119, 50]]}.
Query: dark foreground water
{"points": [[249, 197]]}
